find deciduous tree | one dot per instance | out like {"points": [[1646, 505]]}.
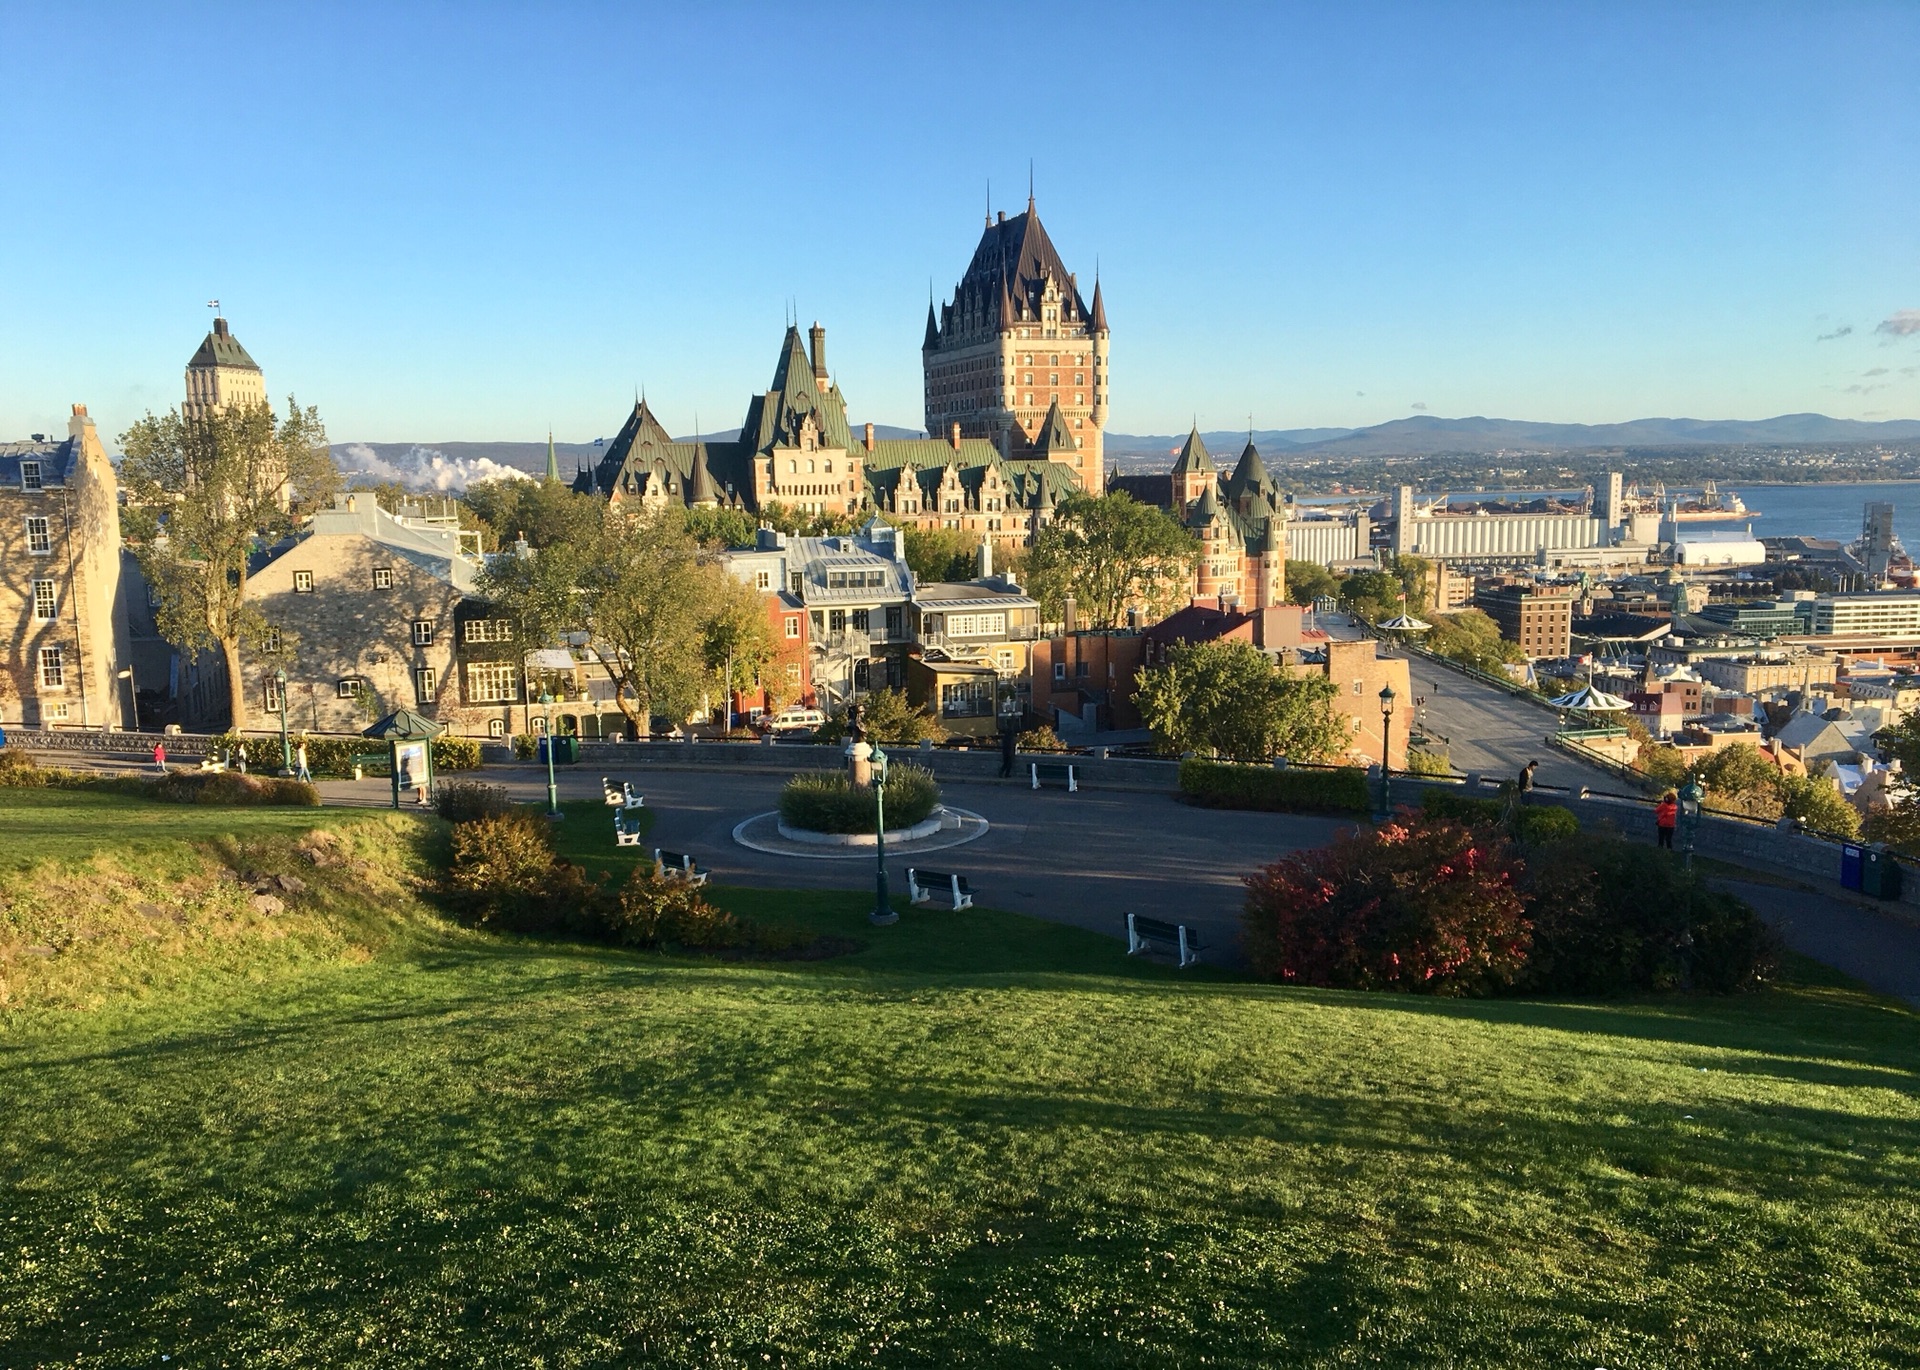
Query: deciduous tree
{"points": [[1308, 581], [1111, 553], [1229, 699]]}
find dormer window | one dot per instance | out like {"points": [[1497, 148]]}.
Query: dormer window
{"points": [[30, 475]]}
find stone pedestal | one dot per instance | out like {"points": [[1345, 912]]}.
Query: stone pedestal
{"points": [[860, 763]]}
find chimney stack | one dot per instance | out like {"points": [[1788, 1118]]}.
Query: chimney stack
{"points": [[956, 436], [818, 337], [869, 437]]}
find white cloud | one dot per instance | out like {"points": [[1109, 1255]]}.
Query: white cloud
{"points": [[1901, 323], [423, 468]]}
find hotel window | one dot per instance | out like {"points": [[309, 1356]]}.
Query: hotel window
{"points": [[303, 582], [270, 641], [53, 668], [39, 540], [423, 685], [491, 682], [349, 687], [383, 577], [272, 699], [423, 632], [30, 475], [45, 603]]}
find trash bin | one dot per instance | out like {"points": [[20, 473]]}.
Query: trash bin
{"points": [[1852, 864], [540, 755], [566, 749], [1880, 874]]}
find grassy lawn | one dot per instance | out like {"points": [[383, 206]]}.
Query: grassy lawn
{"points": [[979, 1140]]}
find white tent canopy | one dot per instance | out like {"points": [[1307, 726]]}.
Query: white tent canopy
{"points": [[1592, 701], [1405, 623]]}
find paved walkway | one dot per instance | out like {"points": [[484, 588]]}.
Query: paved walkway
{"points": [[1490, 732]]}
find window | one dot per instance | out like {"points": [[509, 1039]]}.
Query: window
{"points": [[1004, 660], [383, 577], [976, 625], [53, 713], [423, 632], [1059, 670], [423, 684], [862, 620], [793, 625], [496, 727], [303, 582], [270, 641], [793, 673], [45, 605], [349, 687], [272, 695], [491, 682], [489, 630], [53, 668], [763, 580], [39, 540], [30, 475]]}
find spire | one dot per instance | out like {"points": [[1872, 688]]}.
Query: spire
{"points": [[933, 327], [553, 466], [1029, 185], [1194, 456], [1099, 307], [1250, 475]]}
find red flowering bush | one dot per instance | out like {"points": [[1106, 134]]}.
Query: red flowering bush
{"points": [[1421, 905]]}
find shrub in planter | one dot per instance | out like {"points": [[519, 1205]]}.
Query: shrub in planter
{"points": [[524, 746], [1422, 905], [464, 801], [1222, 785], [826, 801], [1428, 761], [506, 875], [654, 912]]}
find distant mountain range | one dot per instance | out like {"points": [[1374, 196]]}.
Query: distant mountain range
{"points": [[1424, 435], [453, 466]]}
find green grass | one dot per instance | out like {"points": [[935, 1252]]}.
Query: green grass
{"points": [[979, 1140]]}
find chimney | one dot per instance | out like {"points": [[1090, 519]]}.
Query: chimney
{"points": [[219, 327], [1069, 621], [818, 337], [1003, 216], [869, 438], [956, 436]]}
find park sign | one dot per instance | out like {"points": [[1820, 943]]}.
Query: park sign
{"points": [[409, 738]]}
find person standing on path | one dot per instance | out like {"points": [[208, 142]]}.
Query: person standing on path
{"points": [[241, 754], [300, 771], [160, 757], [1666, 817], [1009, 741], [1525, 784]]}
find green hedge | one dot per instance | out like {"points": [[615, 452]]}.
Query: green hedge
{"points": [[333, 756], [1537, 822], [826, 801], [1220, 785]]}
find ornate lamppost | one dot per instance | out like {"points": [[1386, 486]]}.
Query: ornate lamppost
{"points": [[280, 691], [883, 913], [553, 788], [1386, 751], [1692, 798]]}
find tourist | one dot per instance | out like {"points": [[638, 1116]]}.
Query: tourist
{"points": [[300, 771], [160, 757], [1009, 741], [1525, 785], [240, 758], [1666, 816]]}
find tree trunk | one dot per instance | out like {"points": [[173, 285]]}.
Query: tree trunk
{"points": [[236, 683]]}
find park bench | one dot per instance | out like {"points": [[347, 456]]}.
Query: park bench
{"points": [[677, 865], [362, 762], [1143, 933], [1054, 770], [625, 834], [922, 886], [623, 797]]}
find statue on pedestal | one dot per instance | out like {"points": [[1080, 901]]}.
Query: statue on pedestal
{"points": [[859, 750]]}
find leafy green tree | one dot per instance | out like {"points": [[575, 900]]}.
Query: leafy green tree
{"points": [[1472, 639], [938, 554], [1901, 742], [1662, 764], [1372, 595], [1898, 827], [1739, 779], [1415, 575], [549, 514], [1308, 581], [889, 718], [1228, 699], [203, 495], [1818, 804], [737, 642], [1111, 553], [713, 526]]}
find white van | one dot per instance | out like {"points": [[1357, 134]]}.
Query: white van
{"points": [[796, 720]]}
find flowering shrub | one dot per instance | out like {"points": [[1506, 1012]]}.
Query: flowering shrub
{"points": [[1420, 905]]}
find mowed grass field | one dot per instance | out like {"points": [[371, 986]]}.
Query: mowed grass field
{"points": [[979, 1140]]}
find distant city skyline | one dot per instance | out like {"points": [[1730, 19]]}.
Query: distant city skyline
{"points": [[445, 225]]}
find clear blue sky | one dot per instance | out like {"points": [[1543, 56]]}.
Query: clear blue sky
{"points": [[470, 222]]}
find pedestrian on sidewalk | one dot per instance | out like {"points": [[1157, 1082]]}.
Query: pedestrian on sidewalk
{"points": [[1666, 817], [1525, 783], [160, 757], [1009, 741], [300, 771]]}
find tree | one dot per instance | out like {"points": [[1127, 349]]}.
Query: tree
{"points": [[1229, 699], [1817, 803], [938, 554], [737, 643], [549, 514], [203, 495], [1901, 743], [1111, 553], [1472, 639], [1371, 595], [1741, 780], [714, 526], [1308, 581], [1415, 575], [888, 718]]}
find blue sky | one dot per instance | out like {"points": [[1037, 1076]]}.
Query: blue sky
{"points": [[471, 222]]}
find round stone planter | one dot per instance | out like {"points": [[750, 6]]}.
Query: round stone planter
{"points": [[937, 820]]}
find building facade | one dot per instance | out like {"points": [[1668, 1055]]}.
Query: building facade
{"points": [[1017, 356], [1539, 620], [221, 375], [60, 583]]}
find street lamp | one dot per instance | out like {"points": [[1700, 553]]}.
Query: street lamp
{"points": [[280, 690], [553, 788], [1386, 750], [1692, 797], [133, 695], [883, 913]]}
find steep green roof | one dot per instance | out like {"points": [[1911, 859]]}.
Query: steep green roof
{"points": [[221, 348], [1194, 456]]}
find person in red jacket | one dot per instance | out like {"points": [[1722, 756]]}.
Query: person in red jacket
{"points": [[1666, 815]]}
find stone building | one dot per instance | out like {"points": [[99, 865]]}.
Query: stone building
{"points": [[367, 612], [221, 375], [1018, 357], [796, 451], [60, 583]]}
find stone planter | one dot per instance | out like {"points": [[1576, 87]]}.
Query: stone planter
{"points": [[932, 824]]}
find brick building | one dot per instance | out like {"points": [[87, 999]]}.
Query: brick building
{"points": [[1540, 620], [1359, 673], [60, 583]]}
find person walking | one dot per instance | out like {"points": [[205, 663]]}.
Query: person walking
{"points": [[300, 771], [1666, 817], [160, 757], [240, 755]]}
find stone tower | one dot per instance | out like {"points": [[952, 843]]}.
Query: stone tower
{"points": [[1016, 341], [221, 374]]}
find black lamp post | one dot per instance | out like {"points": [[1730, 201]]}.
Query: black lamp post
{"points": [[280, 691], [133, 696], [883, 913], [1386, 750]]}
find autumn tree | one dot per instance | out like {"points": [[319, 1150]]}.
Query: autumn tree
{"points": [[1308, 581], [1229, 699], [737, 642], [1111, 553], [204, 494]]}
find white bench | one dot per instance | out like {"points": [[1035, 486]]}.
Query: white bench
{"points": [[1144, 933], [622, 798], [625, 835], [676, 865], [923, 885], [1054, 771]]}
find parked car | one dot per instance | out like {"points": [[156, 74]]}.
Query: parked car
{"points": [[795, 720]]}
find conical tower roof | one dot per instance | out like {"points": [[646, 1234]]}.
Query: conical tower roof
{"points": [[1249, 473], [704, 490], [1205, 509], [933, 331], [1099, 320], [1194, 457]]}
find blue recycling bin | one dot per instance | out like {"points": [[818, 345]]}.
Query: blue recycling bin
{"points": [[1853, 862]]}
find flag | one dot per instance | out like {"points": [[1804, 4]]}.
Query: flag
{"points": [[213, 304], [599, 442]]}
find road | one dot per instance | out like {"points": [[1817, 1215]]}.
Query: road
{"points": [[1493, 733]]}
